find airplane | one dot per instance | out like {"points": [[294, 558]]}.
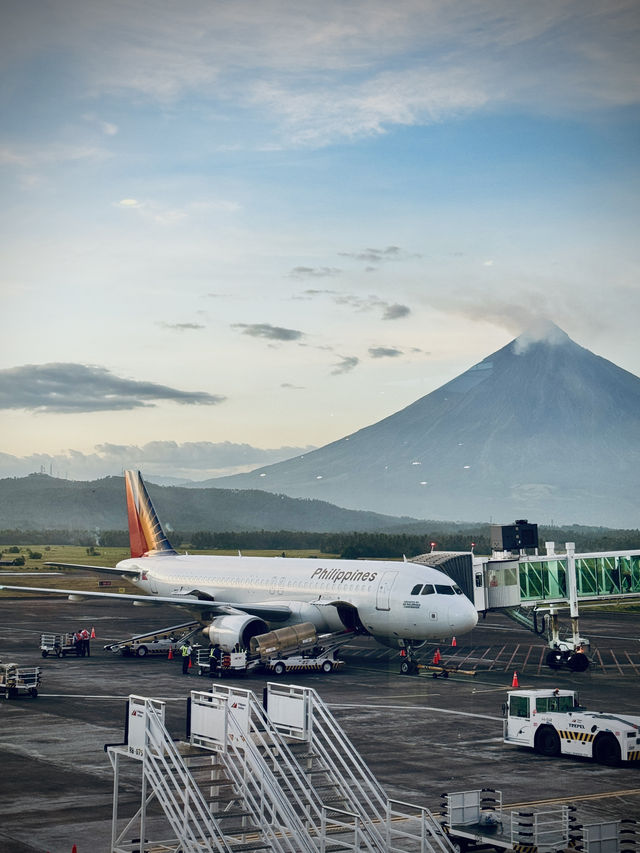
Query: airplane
{"points": [[401, 605]]}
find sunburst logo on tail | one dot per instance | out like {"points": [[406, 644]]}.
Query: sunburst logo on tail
{"points": [[146, 535]]}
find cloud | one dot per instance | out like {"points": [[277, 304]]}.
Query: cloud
{"points": [[182, 327], [396, 312], [384, 352], [65, 388], [377, 256], [346, 364], [189, 460], [272, 333], [314, 272]]}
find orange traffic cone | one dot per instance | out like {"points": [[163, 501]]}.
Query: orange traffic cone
{"points": [[190, 664], [514, 681], [93, 633], [74, 849], [453, 642], [170, 655], [403, 653]]}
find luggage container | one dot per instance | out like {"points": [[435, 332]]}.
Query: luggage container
{"points": [[19, 680], [59, 645]]}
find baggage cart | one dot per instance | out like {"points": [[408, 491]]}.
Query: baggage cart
{"points": [[59, 645], [19, 680]]}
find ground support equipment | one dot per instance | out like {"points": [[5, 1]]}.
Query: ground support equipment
{"points": [[476, 819], [59, 645], [19, 680], [155, 642]]}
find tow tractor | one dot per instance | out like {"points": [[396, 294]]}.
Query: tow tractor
{"points": [[297, 648], [553, 723], [16, 680], [155, 642]]}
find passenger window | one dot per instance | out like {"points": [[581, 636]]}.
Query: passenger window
{"points": [[444, 590], [416, 589], [428, 589]]}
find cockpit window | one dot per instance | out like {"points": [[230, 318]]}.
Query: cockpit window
{"points": [[416, 589], [457, 589], [444, 590], [428, 589]]}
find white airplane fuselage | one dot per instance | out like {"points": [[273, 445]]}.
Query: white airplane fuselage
{"points": [[393, 600]]}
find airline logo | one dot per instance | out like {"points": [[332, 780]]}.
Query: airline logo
{"points": [[340, 576]]}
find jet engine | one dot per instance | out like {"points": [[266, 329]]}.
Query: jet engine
{"points": [[232, 629]]}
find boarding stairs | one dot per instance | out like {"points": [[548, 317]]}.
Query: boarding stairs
{"points": [[285, 780]]}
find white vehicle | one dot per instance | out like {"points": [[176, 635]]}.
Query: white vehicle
{"points": [[16, 680], [323, 662], [237, 598], [154, 642], [553, 723]]}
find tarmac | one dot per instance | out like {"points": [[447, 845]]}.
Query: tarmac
{"points": [[421, 736]]}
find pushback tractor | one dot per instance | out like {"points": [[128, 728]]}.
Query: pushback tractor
{"points": [[553, 723]]}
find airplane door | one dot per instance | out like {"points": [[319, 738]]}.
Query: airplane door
{"points": [[384, 589]]}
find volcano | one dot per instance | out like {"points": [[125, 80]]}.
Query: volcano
{"points": [[542, 429]]}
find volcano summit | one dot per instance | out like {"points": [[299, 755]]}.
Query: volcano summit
{"points": [[542, 429]]}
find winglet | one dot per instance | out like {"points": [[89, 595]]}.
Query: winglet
{"points": [[146, 535]]}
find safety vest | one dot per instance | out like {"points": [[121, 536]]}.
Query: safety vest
{"points": [[185, 651]]}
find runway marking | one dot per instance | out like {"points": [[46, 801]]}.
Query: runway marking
{"points": [[414, 708]]}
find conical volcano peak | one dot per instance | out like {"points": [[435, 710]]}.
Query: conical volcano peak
{"points": [[542, 331]]}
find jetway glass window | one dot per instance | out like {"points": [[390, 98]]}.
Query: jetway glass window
{"points": [[610, 575], [541, 580]]}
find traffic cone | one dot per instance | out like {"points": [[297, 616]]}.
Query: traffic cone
{"points": [[453, 642], [190, 664], [170, 655], [403, 653], [93, 633], [514, 681], [74, 849]]}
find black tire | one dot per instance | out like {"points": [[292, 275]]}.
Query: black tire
{"points": [[279, 668], [445, 674], [547, 741], [45, 653], [59, 653], [327, 666], [606, 750], [578, 662], [554, 659], [34, 693], [142, 651], [405, 667]]}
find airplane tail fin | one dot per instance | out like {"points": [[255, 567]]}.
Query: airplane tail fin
{"points": [[146, 535]]}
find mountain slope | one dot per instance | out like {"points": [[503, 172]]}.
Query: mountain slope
{"points": [[40, 502], [542, 429]]}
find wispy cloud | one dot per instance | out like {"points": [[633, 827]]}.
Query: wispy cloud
{"points": [[314, 272], [346, 364], [384, 352], [182, 327], [72, 388], [266, 330]]}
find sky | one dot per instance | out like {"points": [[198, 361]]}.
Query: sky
{"points": [[234, 230]]}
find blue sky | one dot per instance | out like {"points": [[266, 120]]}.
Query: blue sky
{"points": [[232, 231]]}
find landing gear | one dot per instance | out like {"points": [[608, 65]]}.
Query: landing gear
{"points": [[575, 660], [408, 663]]}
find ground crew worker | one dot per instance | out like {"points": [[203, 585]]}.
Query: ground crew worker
{"points": [[77, 640], [215, 656], [86, 645], [185, 651]]}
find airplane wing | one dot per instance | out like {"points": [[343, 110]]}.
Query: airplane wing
{"points": [[106, 569], [270, 612]]}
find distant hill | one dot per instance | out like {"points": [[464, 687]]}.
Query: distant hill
{"points": [[40, 502], [541, 429]]}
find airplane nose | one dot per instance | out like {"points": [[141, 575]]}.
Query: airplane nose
{"points": [[463, 618]]}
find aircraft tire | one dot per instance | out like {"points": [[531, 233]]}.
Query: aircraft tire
{"points": [[554, 659], [578, 662]]}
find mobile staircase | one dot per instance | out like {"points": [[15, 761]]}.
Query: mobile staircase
{"points": [[285, 779]]}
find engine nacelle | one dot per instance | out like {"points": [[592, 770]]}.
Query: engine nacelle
{"points": [[229, 630]]}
